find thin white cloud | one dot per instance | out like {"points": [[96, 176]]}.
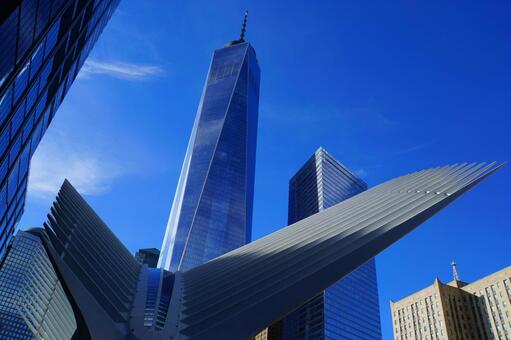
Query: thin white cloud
{"points": [[413, 148], [58, 158], [359, 118], [360, 173], [120, 70]]}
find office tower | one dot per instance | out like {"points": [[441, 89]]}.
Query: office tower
{"points": [[349, 308], [33, 304], [239, 293], [43, 44], [212, 209], [148, 256], [457, 310]]}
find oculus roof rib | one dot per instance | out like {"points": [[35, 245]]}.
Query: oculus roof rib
{"points": [[238, 294]]}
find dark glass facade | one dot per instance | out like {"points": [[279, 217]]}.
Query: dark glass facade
{"points": [[43, 44], [159, 291], [148, 256], [349, 309], [212, 208]]}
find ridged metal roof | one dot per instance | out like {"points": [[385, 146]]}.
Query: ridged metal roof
{"points": [[90, 249], [245, 290]]}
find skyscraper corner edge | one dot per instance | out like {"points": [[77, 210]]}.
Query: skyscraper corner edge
{"points": [[219, 165]]}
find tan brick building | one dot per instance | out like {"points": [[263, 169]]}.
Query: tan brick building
{"points": [[457, 310], [274, 332]]}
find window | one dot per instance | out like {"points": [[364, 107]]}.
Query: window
{"points": [[17, 119], [15, 149], [45, 74], [43, 15], [27, 25], [71, 77], [31, 97], [59, 95], [24, 162], [5, 105], [36, 61], [12, 184], [3, 200], [4, 140], [21, 83], [40, 105], [57, 6], [51, 38], [36, 137], [8, 36], [27, 129], [4, 166]]}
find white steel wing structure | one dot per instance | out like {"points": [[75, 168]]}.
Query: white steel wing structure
{"points": [[240, 293]]}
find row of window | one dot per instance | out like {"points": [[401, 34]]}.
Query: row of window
{"points": [[9, 274], [34, 290], [427, 307], [29, 71], [27, 97], [32, 17], [153, 284], [353, 320], [345, 302], [12, 218], [167, 287]]}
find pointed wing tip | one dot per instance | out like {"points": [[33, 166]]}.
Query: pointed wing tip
{"points": [[495, 165], [488, 170]]}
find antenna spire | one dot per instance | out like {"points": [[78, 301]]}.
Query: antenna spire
{"points": [[455, 271], [241, 40], [244, 27]]}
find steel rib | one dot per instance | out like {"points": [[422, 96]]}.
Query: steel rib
{"points": [[452, 178], [337, 222]]}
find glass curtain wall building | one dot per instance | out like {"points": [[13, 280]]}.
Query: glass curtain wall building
{"points": [[43, 44], [349, 309], [212, 209], [148, 256], [33, 304]]}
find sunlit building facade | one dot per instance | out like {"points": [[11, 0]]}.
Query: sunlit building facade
{"points": [[349, 309], [43, 45], [456, 310], [212, 209], [33, 304]]}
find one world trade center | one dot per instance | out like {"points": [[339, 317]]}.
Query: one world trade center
{"points": [[212, 209]]}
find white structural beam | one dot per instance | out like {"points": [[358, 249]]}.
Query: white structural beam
{"points": [[245, 290]]}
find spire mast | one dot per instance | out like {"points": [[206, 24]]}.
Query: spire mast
{"points": [[455, 271], [244, 27], [241, 40]]}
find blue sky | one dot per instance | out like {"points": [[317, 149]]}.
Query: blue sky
{"points": [[387, 87]]}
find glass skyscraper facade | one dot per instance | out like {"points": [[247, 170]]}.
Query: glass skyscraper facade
{"points": [[148, 256], [349, 309], [33, 304], [43, 45], [212, 209]]}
